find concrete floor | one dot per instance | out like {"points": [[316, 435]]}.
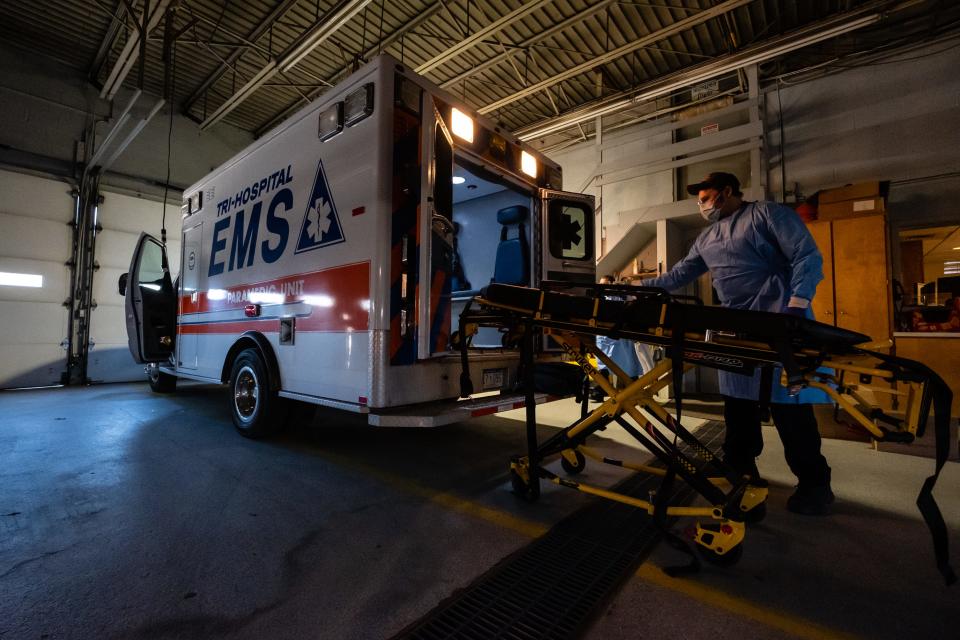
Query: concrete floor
{"points": [[125, 514]]}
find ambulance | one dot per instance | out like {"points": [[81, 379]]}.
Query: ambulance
{"points": [[329, 261]]}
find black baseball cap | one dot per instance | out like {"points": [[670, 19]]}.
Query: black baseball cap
{"points": [[717, 180]]}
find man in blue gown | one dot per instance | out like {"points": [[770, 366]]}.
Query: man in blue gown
{"points": [[762, 257]]}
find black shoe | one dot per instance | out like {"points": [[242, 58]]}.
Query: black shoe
{"points": [[811, 501]]}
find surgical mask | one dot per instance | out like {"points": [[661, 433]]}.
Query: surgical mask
{"points": [[711, 213]]}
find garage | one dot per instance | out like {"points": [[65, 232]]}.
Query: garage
{"points": [[479, 319]]}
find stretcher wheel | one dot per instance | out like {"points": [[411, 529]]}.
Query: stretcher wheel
{"points": [[522, 488], [573, 468], [727, 559]]}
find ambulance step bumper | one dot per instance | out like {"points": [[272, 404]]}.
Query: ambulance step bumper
{"points": [[436, 414]]}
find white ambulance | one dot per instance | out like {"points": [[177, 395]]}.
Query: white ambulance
{"points": [[329, 261]]}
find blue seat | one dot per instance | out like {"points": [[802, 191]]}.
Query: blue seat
{"points": [[512, 265]]}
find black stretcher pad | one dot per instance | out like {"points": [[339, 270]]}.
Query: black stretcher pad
{"points": [[645, 313]]}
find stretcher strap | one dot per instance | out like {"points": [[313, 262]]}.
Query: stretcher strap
{"points": [[941, 397]]}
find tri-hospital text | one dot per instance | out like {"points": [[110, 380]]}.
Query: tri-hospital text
{"points": [[243, 241]]}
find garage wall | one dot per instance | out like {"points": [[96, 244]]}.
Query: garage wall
{"points": [[896, 120], [123, 218], [35, 238]]}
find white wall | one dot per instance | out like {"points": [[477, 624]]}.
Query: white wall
{"points": [[45, 108], [897, 121]]}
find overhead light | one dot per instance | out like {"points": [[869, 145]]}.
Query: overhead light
{"points": [[458, 180], [461, 124], [20, 279], [528, 164], [956, 248]]}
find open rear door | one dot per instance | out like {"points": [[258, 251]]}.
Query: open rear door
{"points": [[568, 242], [150, 303]]}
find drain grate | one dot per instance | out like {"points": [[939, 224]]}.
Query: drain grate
{"points": [[552, 587]]}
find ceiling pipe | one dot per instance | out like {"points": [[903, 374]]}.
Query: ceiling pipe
{"points": [[619, 52], [478, 36], [130, 52], [812, 34], [319, 33]]}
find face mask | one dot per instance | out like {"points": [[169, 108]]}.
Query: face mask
{"points": [[711, 213]]}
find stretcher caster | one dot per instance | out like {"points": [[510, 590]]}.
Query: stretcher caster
{"points": [[720, 543], [520, 481], [727, 559], [572, 461]]}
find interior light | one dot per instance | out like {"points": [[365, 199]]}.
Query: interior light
{"points": [[956, 248], [331, 121], [528, 164], [462, 125], [20, 279], [458, 180]]}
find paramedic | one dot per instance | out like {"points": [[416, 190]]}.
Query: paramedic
{"points": [[620, 350], [761, 257]]}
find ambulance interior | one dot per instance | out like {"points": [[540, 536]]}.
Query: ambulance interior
{"points": [[492, 242]]}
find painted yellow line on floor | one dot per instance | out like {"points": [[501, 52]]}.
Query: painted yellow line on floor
{"points": [[795, 626]]}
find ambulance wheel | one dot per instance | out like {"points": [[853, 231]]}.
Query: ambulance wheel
{"points": [[257, 410], [571, 468], [161, 382], [727, 559]]}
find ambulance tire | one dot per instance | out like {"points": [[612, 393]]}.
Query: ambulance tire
{"points": [[256, 408], [161, 382]]}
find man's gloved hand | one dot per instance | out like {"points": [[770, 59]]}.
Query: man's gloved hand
{"points": [[795, 311]]}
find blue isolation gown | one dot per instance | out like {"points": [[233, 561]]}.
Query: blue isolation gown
{"points": [[760, 256]]}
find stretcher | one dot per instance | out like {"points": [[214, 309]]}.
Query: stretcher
{"points": [[804, 353]]}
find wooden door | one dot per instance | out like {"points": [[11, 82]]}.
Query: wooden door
{"points": [[861, 277], [823, 302]]}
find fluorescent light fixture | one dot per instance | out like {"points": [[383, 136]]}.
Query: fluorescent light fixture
{"points": [[528, 164], [20, 279], [459, 180], [462, 125], [951, 262], [956, 248]]}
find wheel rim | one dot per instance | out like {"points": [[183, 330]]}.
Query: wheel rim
{"points": [[246, 393]]}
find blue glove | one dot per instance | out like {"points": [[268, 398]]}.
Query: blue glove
{"points": [[795, 311]]}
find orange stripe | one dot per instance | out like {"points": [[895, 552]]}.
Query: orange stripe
{"points": [[339, 300]]}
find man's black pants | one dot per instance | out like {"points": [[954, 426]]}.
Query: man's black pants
{"points": [[798, 431]]}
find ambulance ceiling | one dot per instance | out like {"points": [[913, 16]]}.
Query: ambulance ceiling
{"points": [[533, 65]]}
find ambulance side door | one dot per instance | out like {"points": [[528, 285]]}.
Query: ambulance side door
{"points": [[567, 240], [150, 303]]}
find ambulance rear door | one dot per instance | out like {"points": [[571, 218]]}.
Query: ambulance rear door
{"points": [[566, 237]]}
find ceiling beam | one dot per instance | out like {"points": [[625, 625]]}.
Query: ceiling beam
{"points": [[318, 33], [775, 47], [267, 22], [619, 52], [471, 41], [543, 35], [375, 49], [131, 51]]}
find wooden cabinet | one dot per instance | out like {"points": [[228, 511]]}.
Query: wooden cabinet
{"points": [[855, 291]]}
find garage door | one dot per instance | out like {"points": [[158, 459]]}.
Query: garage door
{"points": [[123, 218], [35, 244]]}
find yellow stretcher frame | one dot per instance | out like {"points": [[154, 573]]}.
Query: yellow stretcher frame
{"points": [[722, 541]]}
